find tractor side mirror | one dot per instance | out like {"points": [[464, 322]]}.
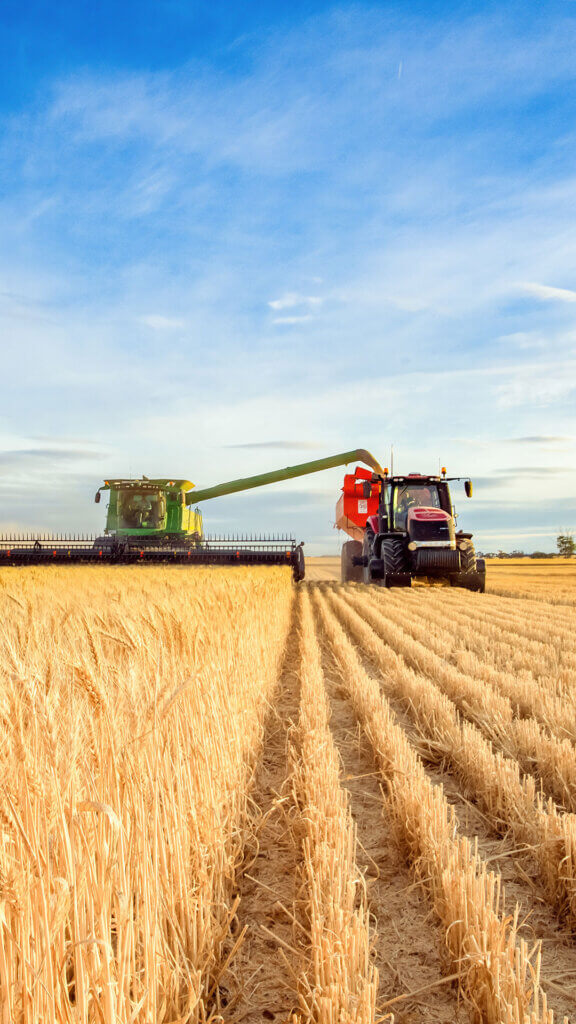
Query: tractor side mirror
{"points": [[97, 497], [468, 488], [366, 489]]}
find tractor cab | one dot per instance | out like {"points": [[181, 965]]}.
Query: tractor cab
{"points": [[414, 492]]}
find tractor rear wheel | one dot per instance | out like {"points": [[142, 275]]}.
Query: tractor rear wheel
{"points": [[350, 573]]}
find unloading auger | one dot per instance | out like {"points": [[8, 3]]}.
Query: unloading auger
{"points": [[157, 520]]}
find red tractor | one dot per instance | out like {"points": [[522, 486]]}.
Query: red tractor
{"points": [[404, 527]]}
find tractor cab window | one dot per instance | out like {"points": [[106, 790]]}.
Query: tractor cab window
{"points": [[142, 510], [413, 496]]}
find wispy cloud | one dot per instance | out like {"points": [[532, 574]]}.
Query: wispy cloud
{"points": [[548, 293], [534, 471], [303, 445], [293, 299], [23, 456], [304, 319], [538, 439], [162, 323]]}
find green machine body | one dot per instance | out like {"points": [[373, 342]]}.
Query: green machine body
{"points": [[151, 508]]}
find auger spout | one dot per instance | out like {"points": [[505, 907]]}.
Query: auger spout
{"points": [[289, 473]]}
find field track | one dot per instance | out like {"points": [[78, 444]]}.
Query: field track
{"points": [[263, 802]]}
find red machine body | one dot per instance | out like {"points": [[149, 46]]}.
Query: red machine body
{"points": [[359, 499], [404, 528]]}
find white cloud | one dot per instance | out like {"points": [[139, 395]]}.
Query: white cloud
{"points": [[542, 386], [546, 292], [536, 531], [292, 319], [162, 323], [293, 299]]}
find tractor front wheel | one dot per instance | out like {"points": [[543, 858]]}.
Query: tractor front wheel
{"points": [[395, 569]]}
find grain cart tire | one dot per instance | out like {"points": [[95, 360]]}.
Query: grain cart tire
{"points": [[350, 573], [395, 569], [373, 568]]}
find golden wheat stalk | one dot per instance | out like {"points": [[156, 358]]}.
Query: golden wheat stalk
{"points": [[132, 709]]}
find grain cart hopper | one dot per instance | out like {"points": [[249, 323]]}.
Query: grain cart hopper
{"points": [[404, 527], [158, 521]]}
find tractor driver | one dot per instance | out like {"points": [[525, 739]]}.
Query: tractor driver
{"points": [[413, 497]]}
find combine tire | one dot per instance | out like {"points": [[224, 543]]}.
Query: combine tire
{"points": [[395, 568], [350, 573], [298, 564]]}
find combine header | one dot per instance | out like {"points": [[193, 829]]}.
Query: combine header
{"points": [[158, 521]]}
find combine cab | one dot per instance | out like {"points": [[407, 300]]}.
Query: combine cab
{"points": [[402, 528]]}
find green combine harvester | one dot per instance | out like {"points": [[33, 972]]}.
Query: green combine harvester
{"points": [[158, 521]]}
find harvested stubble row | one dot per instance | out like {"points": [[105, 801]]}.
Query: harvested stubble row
{"points": [[532, 647], [131, 713], [509, 800], [546, 756], [547, 698], [340, 984], [503, 608], [491, 648], [496, 972]]}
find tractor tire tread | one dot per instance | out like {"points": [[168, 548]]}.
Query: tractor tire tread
{"points": [[393, 554], [468, 559]]}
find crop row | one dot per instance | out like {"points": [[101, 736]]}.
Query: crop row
{"points": [[493, 962], [509, 799]]}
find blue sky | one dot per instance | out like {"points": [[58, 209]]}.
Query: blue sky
{"points": [[237, 236]]}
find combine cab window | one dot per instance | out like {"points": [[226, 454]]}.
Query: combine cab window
{"points": [[142, 510], [413, 496]]}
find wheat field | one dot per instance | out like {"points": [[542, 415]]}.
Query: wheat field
{"points": [[227, 798]]}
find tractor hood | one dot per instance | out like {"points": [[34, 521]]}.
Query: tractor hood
{"points": [[430, 527]]}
